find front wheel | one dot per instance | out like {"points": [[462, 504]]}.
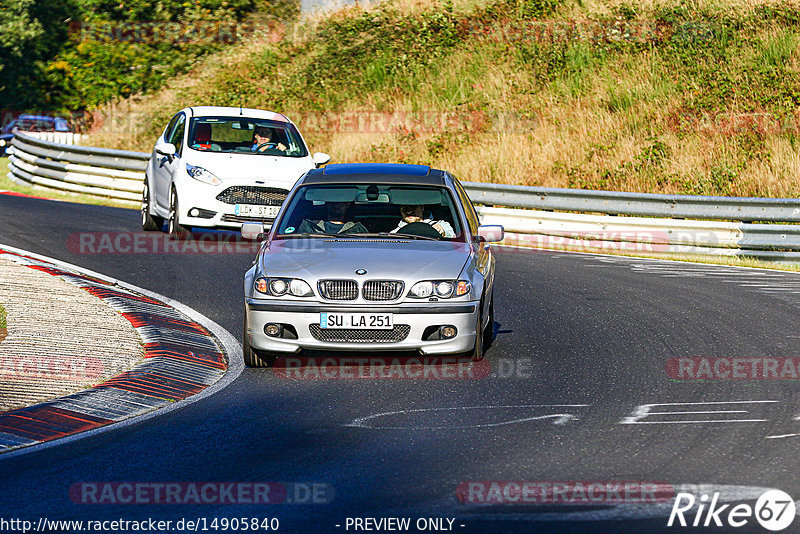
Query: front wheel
{"points": [[174, 227], [476, 354], [488, 332], [150, 222], [253, 357]]}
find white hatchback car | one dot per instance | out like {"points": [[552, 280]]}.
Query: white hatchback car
{"points": [[218, 167]]}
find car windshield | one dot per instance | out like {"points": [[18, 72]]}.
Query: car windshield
{"points": [[31, 124], [245, 135], [370, 210]]}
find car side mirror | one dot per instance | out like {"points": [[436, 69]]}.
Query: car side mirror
{"points": [[491, 233], [320, 158], [166, 149], [252, 231]]}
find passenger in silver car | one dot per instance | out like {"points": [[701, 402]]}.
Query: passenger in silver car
{"points": [[416, 214]]}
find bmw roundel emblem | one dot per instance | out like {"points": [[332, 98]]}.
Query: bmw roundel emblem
{"points": [[361, 271]]}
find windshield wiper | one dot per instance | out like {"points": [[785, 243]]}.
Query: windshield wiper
{"points": [[306, 234], [396, 234]]}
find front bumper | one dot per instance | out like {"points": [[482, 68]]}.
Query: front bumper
{"points": [[418, 317], [203, 197]]}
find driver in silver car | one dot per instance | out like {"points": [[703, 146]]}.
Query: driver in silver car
{"points": [[337, 221], [416, 214]]}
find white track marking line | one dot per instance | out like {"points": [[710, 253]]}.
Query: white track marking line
{"points": [[560, 418]]}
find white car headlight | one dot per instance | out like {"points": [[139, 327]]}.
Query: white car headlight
{"points": [[203, 175], [278, 287], [440, 288]]}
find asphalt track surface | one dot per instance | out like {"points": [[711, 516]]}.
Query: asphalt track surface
{"points": [[590, 333]]}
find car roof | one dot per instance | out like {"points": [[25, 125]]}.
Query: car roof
{"points": [[42, 118], [224, 111], [387, 173]]}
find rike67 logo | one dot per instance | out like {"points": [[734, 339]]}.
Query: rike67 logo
{"points": [[774, 510]]}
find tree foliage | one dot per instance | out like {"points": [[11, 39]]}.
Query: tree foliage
{"points": [[70, 55]]}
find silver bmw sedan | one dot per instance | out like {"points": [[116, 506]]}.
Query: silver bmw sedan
{"points": [[371, 257]]}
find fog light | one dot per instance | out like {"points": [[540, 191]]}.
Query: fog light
{"points": [[448, 332], [194, 212], [272, 329]]}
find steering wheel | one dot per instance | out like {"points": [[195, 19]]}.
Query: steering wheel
{"points": [[421, 229], [266, 146]]}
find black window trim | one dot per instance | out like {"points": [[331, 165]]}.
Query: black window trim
{"points": [[468, 206], [170, 126], [179, 149]]}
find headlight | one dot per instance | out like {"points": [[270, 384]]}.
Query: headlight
{"points": [[439, 288], [422, 289], [443, 289], [278, 287], [2, 142], [201, 174]]}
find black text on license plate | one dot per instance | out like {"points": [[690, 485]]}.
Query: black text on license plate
{"points": [[382, 321], [249, 210]]}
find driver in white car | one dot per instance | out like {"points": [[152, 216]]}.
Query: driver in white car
{"points": [[416, 214], [262, 140]]}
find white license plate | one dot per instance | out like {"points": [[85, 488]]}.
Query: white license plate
{"points": [[365, 321], [249, 210]]}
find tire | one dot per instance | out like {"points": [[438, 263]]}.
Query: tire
{"points": [[253, 357], [476, 354], [488, 332], [173, 226], [150, 222]]}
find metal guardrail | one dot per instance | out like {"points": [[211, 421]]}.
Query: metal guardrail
{"points": [[68, 138], [102, 172], [639, 204], [577, 231], [650, 222]]}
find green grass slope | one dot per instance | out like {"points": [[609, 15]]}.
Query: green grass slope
{"points": [[696, 97]]}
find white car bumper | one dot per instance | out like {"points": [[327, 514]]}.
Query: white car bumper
{"points": [[200, 205]]}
